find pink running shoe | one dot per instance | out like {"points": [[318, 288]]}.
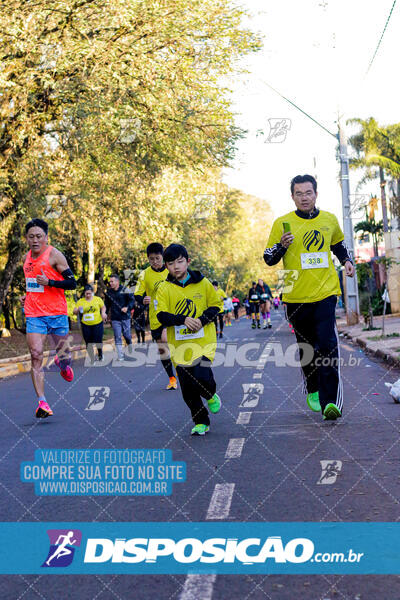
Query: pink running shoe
{"points": [[66, 373], [43, 410]]}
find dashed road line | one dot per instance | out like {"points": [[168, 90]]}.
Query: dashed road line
{"points": [[198, 587], [243, 418], [235, 448], [220, 503]]}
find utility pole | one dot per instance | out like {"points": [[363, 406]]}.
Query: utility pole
{"points": [[350, 287]]}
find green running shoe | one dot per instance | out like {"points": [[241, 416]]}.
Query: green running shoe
{"points": [[214, 403], [200, 429], [313, 401], [331, 412]]}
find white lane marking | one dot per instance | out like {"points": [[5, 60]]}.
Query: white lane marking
{"points": [[257, 375], [198, 587], [220, 503], [235, 448], [243, 418]]}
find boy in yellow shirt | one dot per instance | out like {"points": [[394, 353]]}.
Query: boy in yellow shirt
{"points": [[145, 295], [187, 305]]}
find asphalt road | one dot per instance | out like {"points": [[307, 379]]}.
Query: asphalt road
{"points": [[269, 472]]}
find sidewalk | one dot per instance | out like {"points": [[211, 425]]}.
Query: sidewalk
{"points": [[387, 348]]}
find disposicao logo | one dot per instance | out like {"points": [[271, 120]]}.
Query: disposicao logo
{"points": [[190, 550], [62, 547]]}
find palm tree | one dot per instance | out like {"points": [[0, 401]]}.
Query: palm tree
{"points": [[377, 146], [369, 226]]}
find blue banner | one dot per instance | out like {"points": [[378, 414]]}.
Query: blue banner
{"points": [[103, 472], [222, 548]]}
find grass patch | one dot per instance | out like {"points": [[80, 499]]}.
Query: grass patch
{"points": [[377, 338], [371, 328]]}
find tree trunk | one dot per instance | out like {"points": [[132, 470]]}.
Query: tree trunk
{"points": [[7, 322], [375, 244], [90, 251], [101, 287], [383, 200], [16, 248]]}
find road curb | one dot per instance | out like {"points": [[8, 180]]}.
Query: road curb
{"points": [[385, 355]]}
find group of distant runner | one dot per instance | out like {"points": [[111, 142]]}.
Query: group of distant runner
{"points": [[187, 312]]}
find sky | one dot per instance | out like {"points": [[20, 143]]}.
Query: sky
{"points": [[316, 53]]}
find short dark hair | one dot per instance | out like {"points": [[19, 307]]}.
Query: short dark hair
{"points": [[115, 275], [175, 251], [88, 287], [215, 282], [254, 283], [303, 179], [154, 248], [37, 223]]}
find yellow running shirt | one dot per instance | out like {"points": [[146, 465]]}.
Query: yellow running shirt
{"points": [[309, 274], [91, 310], [222, 295], [147, 285], [191, 301]]}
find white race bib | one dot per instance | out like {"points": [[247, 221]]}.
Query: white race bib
{"points": [[254, 297], [183, 333], [314, 260], [88, 317], [33, 286]]}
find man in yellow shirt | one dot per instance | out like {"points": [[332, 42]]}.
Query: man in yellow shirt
{"points": [[187, 307], [304, 240], [145, 294]]}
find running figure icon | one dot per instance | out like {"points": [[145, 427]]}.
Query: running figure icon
{"points": [[62, 549]]}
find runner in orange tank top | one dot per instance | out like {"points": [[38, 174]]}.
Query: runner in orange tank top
{"points": [[47, 275]]}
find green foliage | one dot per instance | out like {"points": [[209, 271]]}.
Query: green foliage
{"points": [[364, 274], [118, 110], [375, 145], [375, 229]]}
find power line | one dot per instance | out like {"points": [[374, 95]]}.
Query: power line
{"points": [[379, 43], [300, 109]]}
